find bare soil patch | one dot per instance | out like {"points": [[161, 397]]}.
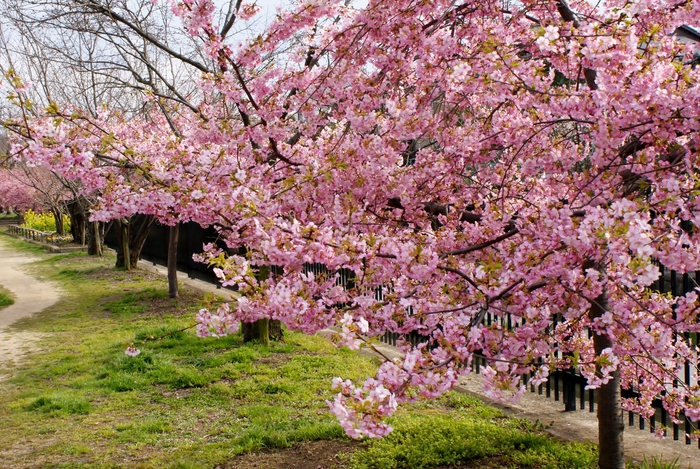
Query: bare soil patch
{"points": [[274, 360], [162, 306], [14, 347], [313, 455]]}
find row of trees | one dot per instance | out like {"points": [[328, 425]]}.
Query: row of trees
{"points": [[78, 53], [24, 187], [532, 160]]}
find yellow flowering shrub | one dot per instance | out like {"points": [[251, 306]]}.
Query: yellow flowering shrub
{"points": [[43, 221]]}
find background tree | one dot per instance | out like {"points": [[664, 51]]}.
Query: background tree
{"points": [[13, 194], [118, 53], [94, 56]]}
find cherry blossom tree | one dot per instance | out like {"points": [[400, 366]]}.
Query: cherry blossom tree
{"points": [[531, 161], [95, 54], [13, 194]]}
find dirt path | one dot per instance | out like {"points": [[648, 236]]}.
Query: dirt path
{"points": [[31, 295]]}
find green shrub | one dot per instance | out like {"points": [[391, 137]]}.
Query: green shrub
{"points": [[424, 440]]}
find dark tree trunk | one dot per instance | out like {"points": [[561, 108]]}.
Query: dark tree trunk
{"points": [[256, 331], [141, 226], [58, 218], [123, 233], [174, 233], [264, 329], [275, 330], [610, 422], [131, 235], [95, 238], [78, 220], [250, 331]]}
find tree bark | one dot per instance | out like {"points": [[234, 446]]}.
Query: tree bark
{"points": [[611, 425], [144, 223], [58, 218], [252, 331], [275, 330], [95, 239], [131, 235], [262, 330], [78, 220], [173, 232], [124, 232]]}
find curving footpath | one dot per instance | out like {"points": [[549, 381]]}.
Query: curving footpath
{"points": [[31, 296]]}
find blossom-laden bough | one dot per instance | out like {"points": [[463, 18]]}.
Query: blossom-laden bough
{"points": [[528, 162]]}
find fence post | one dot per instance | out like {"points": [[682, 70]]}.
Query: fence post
{"points": [[569, 390]]}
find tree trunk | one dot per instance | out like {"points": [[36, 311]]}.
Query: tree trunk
{"points": [[264, 329], [173, 232], [78, 220], [95, 239], [275, 330], [84, 235], [144, 223], [58, 218], [256, 331], [131, 235], [124, 261], [610, 422]]}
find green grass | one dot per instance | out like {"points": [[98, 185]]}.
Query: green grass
{"points": [[468, 430], [5, 298], [192, 402], [58, 404], [183, 398], [19, 244]]}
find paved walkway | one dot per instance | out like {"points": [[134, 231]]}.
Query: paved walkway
{"points": [[31, 296]]}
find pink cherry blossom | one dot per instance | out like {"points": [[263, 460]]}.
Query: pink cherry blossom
{"points": [[484, 177]]}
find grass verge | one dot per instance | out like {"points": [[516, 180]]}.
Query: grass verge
{"points": [[200, 403], [6, 298]]}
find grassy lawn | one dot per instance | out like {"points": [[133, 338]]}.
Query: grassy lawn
{"points": [[187, 402]]}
